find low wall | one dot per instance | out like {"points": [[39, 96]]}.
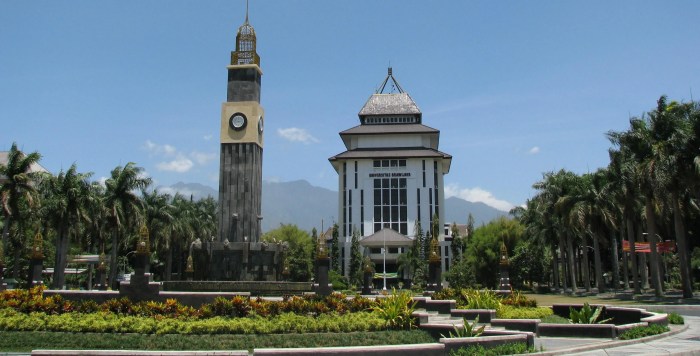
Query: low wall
{"points": [[253, 287], [517, 324], [440, 306], [577, 330], [485, 315]]}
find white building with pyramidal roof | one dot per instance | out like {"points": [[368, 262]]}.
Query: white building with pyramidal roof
{"points": [[390, 177]]}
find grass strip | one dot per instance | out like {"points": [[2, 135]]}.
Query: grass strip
{"points": [[24, 341]]}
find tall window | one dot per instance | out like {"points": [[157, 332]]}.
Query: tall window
{"points": [[355, 174], [435, 182], [349, 227], [390, 204], [362, 212]]}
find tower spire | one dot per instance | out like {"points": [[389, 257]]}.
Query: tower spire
{"points": [[246, 12], [395, 85]]}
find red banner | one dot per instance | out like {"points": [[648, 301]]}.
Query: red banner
{"points": [[643, 247]]}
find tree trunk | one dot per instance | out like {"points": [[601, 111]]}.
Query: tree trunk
{"points": [[572, 263], [615, 262], [59, 270], [555, 267], [625, 263], [113, 268], [6, 232], [633, 255], [598, 265], [654, 255], [15, 268], [686, 282], [586, 265], [167, 276], [562, 254]]}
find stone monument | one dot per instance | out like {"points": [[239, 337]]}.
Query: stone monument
{"points": [[323, 262], [3, 285], [36, 262], [504, 284], [434, 267], [141, 286], [102, 272]]}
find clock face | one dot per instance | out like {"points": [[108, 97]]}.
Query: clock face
{"points": [[260, 125], [237, 121]]}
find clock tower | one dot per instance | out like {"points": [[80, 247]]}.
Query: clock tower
{"points": [[240, 170]]}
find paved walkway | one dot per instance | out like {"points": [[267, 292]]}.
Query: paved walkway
{"points": [[684, 340]]}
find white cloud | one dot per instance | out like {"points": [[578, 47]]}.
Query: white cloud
{"points": [[208, 137], [202, 158], [477, 195], [155, 148], [272, 179], [534, 150], [180, 164], [295, 134]]}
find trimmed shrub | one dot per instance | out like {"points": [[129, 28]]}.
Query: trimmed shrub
{"points": [[643, 331]]}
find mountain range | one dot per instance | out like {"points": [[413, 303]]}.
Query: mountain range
{"points": [[300, 203]]}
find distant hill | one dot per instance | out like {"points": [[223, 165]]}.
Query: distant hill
{"points": [[300, 203], [195, 190], [457, 210]]}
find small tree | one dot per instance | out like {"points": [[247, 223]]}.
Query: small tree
{"points": [[456, 245], [314, 242], [335, 249], [355, 259], [299, 252]]}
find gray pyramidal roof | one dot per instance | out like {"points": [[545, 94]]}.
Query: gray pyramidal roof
{"points": [[390, 104]]}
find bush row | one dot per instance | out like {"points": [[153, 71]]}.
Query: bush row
{"points": [[513, 306], [28, 301], [105, 322]]}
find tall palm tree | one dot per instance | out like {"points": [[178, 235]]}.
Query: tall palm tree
{"points": [[157, 213], [66, 203], [18, 189], [555, 187], [592, 209], [123, 205], [644, 140], [181, 233]]}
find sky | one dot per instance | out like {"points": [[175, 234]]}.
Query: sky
{"points": [[517, 88]]}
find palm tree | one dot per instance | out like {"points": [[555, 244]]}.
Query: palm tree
{"points": [[644, 141], [593, 210], [18, 189], [123, 205], [158, 217], [678, 152], [181, 233], [66, 203], [552, 189]]}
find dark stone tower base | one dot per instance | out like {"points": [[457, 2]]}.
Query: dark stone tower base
{"points": [[240, 191]]}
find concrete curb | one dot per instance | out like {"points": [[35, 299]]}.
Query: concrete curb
{"points": [[613, 344]]}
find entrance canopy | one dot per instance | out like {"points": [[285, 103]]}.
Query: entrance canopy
{"points": [[386, 237]]}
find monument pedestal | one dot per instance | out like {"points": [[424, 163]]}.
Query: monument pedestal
{"points": [[367, 283], [101, 279], [36, 267], [140, 286], [3, 285], [504, 286], [322, 287], [434, 277]]}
